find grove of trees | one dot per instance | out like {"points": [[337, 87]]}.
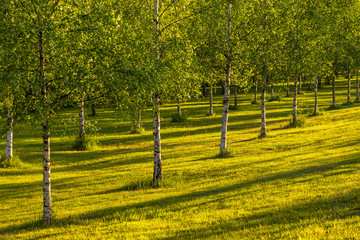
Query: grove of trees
{"points": [[137, 54]]}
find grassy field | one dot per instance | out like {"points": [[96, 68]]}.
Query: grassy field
{"points": [[298, 183]]}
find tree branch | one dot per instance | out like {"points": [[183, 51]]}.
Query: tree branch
{"points": [[172, 2]]}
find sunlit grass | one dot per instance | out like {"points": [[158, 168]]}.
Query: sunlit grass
{"points": [[296, 183]]}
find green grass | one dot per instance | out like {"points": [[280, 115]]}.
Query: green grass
{"points": [[297, 183]]}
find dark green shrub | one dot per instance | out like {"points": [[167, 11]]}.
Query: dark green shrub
{"points": [[227, 153], [14, 162], [176, 118], [234, 107], [82, 144]]}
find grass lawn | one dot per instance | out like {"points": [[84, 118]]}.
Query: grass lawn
{"points": [[297, 183]]}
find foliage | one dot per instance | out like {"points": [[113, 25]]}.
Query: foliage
{"points": [[14, 162], [300, 121], [178, 118], [234, 107], [99, 192], [85, 144], [227, 153], [136, 130], [275, 99]]}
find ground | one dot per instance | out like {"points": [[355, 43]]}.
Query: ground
{"points": [[297, 183]]}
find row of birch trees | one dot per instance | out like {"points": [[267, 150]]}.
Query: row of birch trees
{"points": [[133, 54]]}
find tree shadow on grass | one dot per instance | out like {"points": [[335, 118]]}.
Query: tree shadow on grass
{"points": [[351, 159], [340, 206], [265, 218]]}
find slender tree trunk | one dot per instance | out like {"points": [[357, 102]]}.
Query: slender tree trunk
{"points": [[93, 110], [357, 85], [294, 114], [328, 80], [225, 115], [178, 107], [300, 84], [235, 95], [138, 125], [349, 84], [333, 91], [288, 88], [9, 144], [47, 212], [204, 89], [157, 176], [263, 108], [157, 141], [46, 175], [211, 112], [272, 91], [255, 90], [222, 87], [81, 119], [316, 97]]}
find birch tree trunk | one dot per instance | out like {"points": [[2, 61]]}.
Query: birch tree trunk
{"points": [[300, 84], [357, 85], [263, 108], [93, 110], [204, 89], [235, 95], [211, 111], [157, 176], [349, 84], [178, 106], [255, 91], [316, 98], [333, 91], [47, 217], [272, 91], [81, 119], [294, 114], [47, 212], [157, 141], [138, 125], [9, 142], [222, 87], [288, 88], [225, 115]]}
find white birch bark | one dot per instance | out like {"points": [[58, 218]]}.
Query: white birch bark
{"points": [[256, 89], [138, 125], [288, 88], [211, 112], [225, 114], [316, 97], [47, 217], [272, 91], [9, 142], [157, 141], [157, 176], [47, 212]]}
